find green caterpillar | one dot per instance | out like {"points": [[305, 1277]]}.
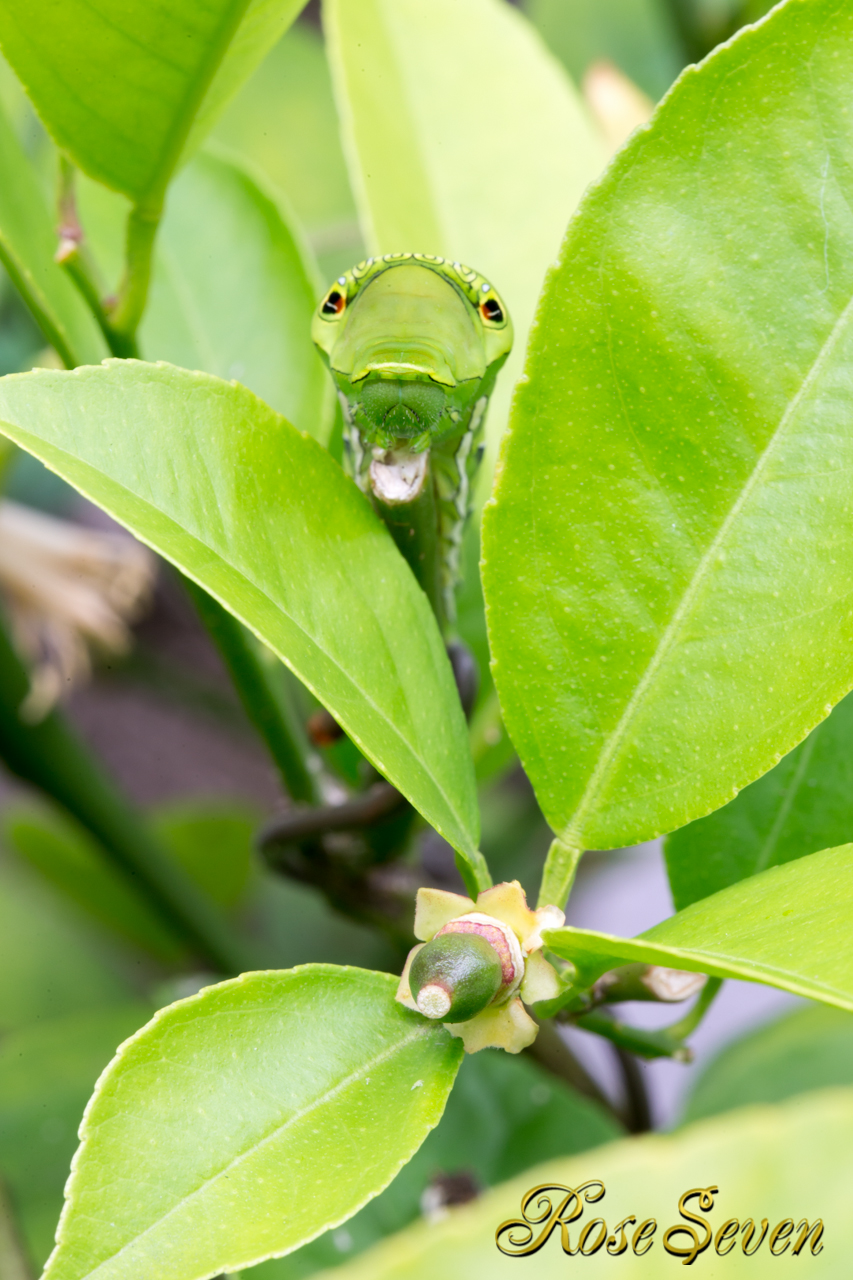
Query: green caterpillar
{"points": [[414, 344]]}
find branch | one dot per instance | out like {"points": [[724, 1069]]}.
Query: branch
{"points": [[380, 801], [638, 1113]]}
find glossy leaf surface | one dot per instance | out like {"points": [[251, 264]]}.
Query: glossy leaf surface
{"points": [[299, 1092], [266, 521], [233, 293], [465, 139], [790, 927], [120, 91], [504, 1114], [668, 561], [27, 245], [804, 804], [768, 1162], [809, 1049]]}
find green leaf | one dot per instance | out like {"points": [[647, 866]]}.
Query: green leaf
{"points": [[504, 1114], [74, 864], [790, 927], [120, 91], [300, 1092], [464, 138], [263, 24], [234, 290], [656, 590], [768, 1162], [804, 804], [263, 519], [809, 1049], [27, 245], [47, 1073], [213, 842], [638, 35]]}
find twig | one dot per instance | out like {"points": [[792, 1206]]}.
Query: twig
{"points": [[637, 1113], [379, 801]]}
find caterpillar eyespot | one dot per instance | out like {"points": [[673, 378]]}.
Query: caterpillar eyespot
{"points": [[491, 311], [333, 303]]}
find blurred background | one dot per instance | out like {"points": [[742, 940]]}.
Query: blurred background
{"points": [[113, 633]]}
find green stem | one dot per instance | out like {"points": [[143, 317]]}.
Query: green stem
{"points": [[124, 317], [51, 757], [75, 258], [261, 695], [559, 874], [666, 1043], [14, 1264], [688, 1024]]}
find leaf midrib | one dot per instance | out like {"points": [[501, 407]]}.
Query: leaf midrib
{"points": [[572, 835], [416, 1034]]}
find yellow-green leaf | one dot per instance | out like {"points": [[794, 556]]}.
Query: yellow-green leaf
{"points": [[791, 927], [242, 1122], [668, 559]]}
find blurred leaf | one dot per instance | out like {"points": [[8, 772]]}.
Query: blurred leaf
{"points": [[213, 841], [263, 519], [234, 290], [638, 35], [120, 91], [51, 963], [73, 863], [284, 121], [503, 1115], [809, 1049], [656, 595], [294, 925], [769, 1162], [47, 1073], [27, 245], [791, 927], [263, 24], [464, 138], [321, 1089], [803, 805]]}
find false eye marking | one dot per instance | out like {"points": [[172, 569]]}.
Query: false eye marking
{"points": [[334, 302], [492, 311]]}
